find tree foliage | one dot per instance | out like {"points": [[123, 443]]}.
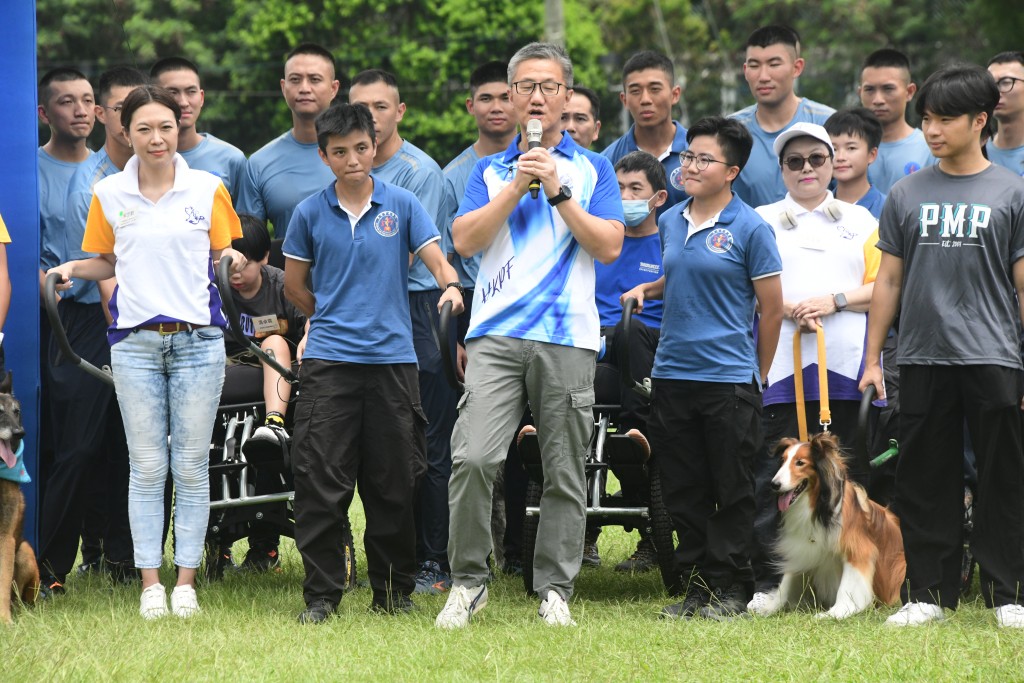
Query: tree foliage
{"points": [[433, 45]]}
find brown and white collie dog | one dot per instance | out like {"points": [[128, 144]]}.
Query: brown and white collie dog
{"points": [[846, 547]]}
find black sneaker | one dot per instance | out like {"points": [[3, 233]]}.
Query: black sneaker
{"points": [[317, 612], [432, 579], [696, 598], [50, 587], [513, 567], [591, 558], [393, 604], [259, 561], [725, 604], [643, 559], [121, 573], [93, 566]]}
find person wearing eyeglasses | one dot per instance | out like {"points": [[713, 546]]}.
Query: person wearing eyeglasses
{"points": [[534, 334], [720, 263], [886, 88], [1006, 147], [92, 438], [829, 263]]}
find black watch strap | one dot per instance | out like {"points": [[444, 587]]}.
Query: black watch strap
{"points": [[563, 194], [458, 286]]}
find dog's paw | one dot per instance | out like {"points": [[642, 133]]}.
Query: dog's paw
{"points": [[765, 604], [837, 612]]}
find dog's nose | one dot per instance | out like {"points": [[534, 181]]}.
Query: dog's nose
{"points": [[18, 432], [776, 484]]}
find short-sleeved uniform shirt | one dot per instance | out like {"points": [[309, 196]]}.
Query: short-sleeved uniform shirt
{"points": [[220, 158], [164, 269], [873, 201], [898, 159], [639, 262], [820, 257], [5, 237], [456, 176], [280, 175], [1012, 159], [360, 273], [54, 178], [536, 282], [669, 159], [761, 180], [267, 312], [959, 237], [76, 215], [412, 169], [707, 328]]}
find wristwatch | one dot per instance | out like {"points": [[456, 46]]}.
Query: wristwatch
{"points": [[458, 286], [563, 194], [840, 301]]}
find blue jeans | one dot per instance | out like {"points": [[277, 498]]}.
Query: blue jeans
{"points": [[169, 384]]}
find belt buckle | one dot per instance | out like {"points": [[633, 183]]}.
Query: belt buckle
{"points": [[172, 328]]}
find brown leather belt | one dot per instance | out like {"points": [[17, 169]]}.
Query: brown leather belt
{"points": [[168, 328]]}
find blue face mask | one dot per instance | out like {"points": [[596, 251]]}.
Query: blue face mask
{"points": [[636, 210]]}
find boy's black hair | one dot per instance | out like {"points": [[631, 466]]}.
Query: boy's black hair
{"points": [[887, 57], [254, 244], [859, 122], [646, 163], [490, 72], [311, 49], [371, 76], [595, 102], [1010, 57], [341, 119], [144, 95], [731, 135], [649, 59], [166, 64], [118, 76], [774, 34], [61, 74], [958, 90]]}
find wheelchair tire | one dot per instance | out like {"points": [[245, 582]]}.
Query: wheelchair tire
{"points": [[533, 491], [661, 535], [348, 548]]}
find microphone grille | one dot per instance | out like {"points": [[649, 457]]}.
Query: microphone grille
{"points": [[534, 128]]}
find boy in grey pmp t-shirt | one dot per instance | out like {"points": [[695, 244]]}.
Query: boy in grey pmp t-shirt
{"points": [[952, 239]]}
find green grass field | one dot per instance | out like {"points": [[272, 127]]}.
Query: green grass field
{"points": [[247, 631]]}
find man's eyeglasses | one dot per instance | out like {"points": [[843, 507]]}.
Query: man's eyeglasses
{"points": [[547, 88], [1006, 83], [116, 109], [702, 162], [795, 162]]}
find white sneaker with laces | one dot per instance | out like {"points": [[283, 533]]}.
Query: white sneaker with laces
{"points": [[184, 603], [555, 611], [1010, 616], [153, 604], [916, 614], [463, 602], [272, 433]]}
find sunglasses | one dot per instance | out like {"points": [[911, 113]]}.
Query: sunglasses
{"points": [[795, 162]]}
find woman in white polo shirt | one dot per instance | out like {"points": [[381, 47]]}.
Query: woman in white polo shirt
{"points": [[159, 227], [829, 263]]}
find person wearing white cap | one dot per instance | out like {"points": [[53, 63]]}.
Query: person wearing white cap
{"points": [[829, 262]]}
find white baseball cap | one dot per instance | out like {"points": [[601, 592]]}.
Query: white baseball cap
{"points": [[803, 129]]}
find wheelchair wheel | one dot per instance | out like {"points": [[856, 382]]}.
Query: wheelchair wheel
{"points": [[533, 491], [348, 548], [661, 535]]}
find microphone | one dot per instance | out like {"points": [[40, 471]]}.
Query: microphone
{"points": [[534, 132]]}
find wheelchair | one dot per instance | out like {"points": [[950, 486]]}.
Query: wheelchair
{"points": [[236, 501], [610, 451]]}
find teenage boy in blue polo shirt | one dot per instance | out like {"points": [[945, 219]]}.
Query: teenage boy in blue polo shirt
{"points": [[358, 418], [649, 91], [720, 259]]}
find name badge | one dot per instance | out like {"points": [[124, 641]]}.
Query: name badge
{"points": [[812, 240], [128, 217], [265, 324]]}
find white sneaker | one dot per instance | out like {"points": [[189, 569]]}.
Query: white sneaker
{"points": [[915, 614], [184, 603], [555, 611], [271, 433], [463, 602], [153, 604], [1010, 616]]}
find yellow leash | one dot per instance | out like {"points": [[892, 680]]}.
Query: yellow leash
{"points": [[825, 415]]}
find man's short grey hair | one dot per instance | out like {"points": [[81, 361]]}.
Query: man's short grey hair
{"points": [[542, 51]]}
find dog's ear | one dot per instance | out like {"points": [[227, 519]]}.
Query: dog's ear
{"points": [[782, 446], [6, 383], [828, 463]]}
